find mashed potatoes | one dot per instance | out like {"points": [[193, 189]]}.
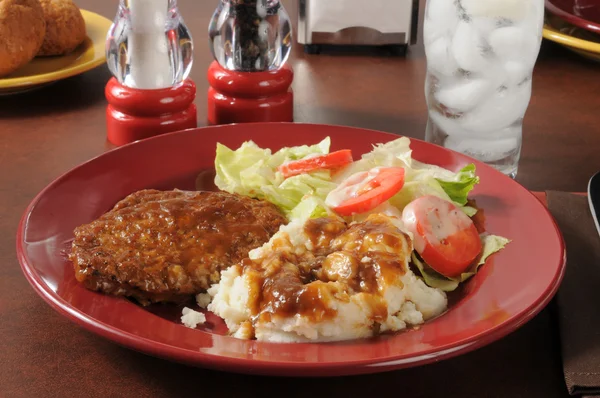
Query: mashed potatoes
{"points": [[326, 281], [191, 318]]}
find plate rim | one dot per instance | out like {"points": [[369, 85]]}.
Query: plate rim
{"points": [[572, 18], [278, 368], [551, 33], [60, 74]]}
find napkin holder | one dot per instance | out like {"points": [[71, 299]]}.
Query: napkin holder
{"points": [[389, 23]]}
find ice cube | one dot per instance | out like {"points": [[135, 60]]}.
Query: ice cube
{"points": [[469, 48], [464, 95], [496, 75], [439, 57], [441, 19], [516, 72], [485, 25], [500, 110], [514, 43], [510, 9], [486, 150], [507, 42], [450, 126], [439, 10], [533, 26]]}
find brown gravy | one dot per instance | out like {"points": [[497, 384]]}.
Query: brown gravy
{"points": [[362, 258]]}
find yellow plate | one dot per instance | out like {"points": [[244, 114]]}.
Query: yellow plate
{"points": [[43, 70], [578, 40]]}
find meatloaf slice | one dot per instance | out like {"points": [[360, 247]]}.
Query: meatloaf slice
{"points": [[165, 246]]}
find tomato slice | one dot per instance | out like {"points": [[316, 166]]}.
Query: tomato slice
{"points": [[328, 161], [366, 190], [444, 236]]}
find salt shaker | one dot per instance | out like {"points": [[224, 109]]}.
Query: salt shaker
{"points": [[249, 79], [150, 54]]}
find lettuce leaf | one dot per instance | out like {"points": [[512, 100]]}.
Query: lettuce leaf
{"points": [[310, 207], [469, 211], [491, 244], [415, 189], [252, 171], [459, 187]]}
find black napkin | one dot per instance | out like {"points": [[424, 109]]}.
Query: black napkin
{"points": [[578, 299]]}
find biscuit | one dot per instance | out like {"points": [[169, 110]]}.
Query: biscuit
{"points": [[65, 27], [22, 29]]}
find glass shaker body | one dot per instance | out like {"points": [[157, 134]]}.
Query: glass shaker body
{"points": [[149, 46], [250, 35]]}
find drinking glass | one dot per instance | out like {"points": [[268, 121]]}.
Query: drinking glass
{"points": [[480, 60]]}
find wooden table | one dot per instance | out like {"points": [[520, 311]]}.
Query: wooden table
{"points": [[47, 132]]}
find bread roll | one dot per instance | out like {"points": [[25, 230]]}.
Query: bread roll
{"points": [[65, 27], [22, 30]]}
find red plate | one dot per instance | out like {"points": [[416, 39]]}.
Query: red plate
{"points": [[582, 13], [508, 291]]}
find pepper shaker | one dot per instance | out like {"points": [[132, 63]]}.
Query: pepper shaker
{"points": [[249, 79], [150, 54]]}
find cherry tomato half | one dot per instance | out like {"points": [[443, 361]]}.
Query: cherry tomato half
{"points": [[328, 161], [444, 236], [366, 190]]}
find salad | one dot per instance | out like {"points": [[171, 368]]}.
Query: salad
{"points": [[310, 181]]}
